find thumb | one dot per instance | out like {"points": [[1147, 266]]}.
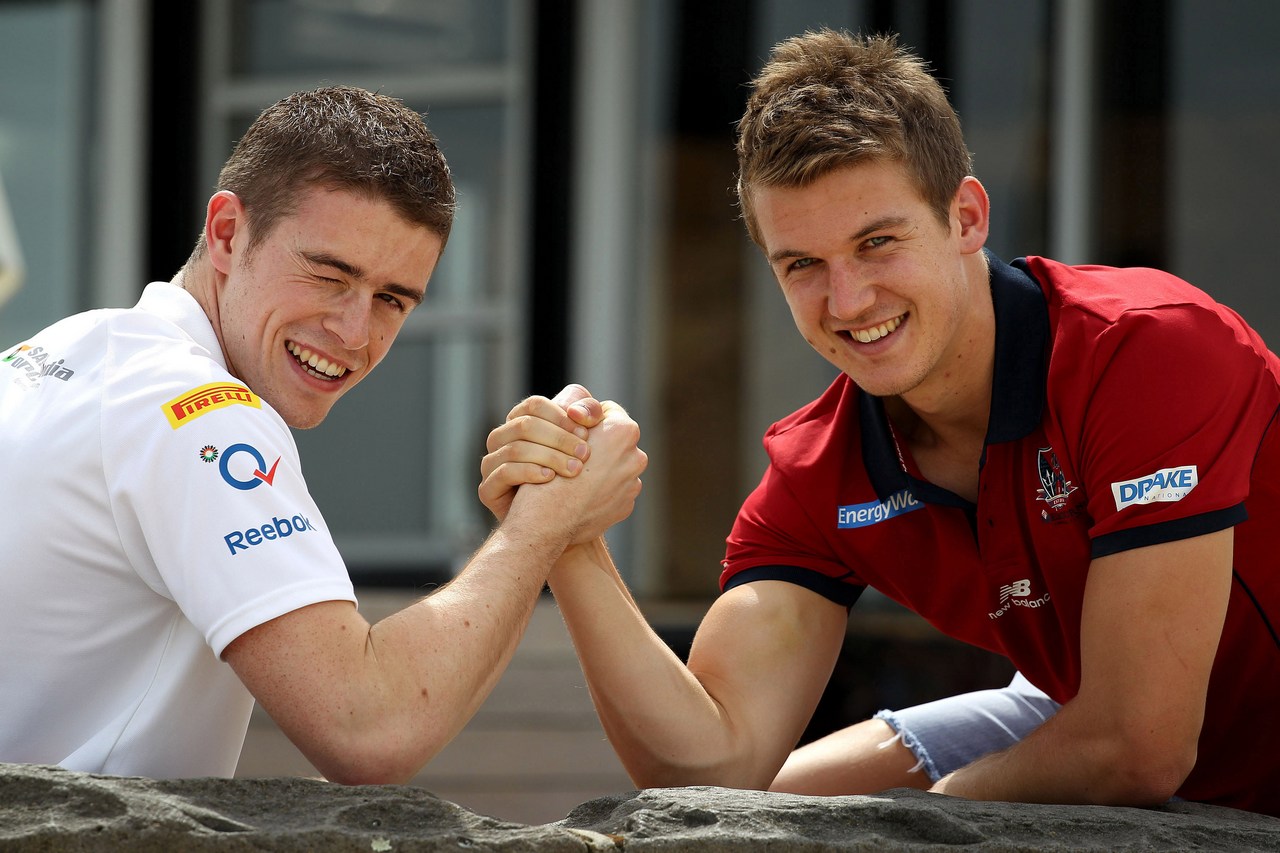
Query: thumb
{"points": [[578, 403]]}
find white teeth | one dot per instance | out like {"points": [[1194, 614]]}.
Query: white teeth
{"points": [[875, 333], [319, 366]]}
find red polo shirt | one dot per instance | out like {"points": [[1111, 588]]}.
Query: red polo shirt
{"points": [[1128, 408]]}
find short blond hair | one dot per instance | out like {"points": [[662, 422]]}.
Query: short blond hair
{"points": [[828, 99]]}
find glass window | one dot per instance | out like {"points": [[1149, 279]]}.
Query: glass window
{"points": [[44, 139], [1223, 171], [342, 36]]}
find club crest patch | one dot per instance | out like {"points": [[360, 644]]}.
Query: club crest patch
{"points": [[1055, 488]]}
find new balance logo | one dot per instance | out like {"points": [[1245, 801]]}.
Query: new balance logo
{"points": [[1017, 594], [1020, 589]]}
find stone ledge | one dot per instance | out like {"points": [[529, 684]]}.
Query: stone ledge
{"points": [[51, 809]]}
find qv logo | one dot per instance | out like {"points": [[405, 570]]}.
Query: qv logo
{"points": [[256, 478], [1167, 484], [874, 512]]}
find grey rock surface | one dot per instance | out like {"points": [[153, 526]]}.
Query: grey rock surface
{"points": [[50, 809]]}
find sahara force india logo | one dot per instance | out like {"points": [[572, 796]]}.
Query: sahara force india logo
{"points": [[205, 399], [34, 364]]}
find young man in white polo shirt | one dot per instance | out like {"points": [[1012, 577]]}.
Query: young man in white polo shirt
{"points": [[164, 564]]}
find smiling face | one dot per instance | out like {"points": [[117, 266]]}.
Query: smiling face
{"points": [[318, 302], [876, 283]]}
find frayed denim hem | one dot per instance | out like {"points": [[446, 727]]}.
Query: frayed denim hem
{"points": [[910, 742]]}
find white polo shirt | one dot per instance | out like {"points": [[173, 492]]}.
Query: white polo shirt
{"points": [[154, 510]]}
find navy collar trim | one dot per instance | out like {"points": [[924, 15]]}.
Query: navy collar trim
{"points": [[1017, 393]]}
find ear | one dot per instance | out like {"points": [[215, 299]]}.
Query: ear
{"points": [[971, 210], [224, 221]]}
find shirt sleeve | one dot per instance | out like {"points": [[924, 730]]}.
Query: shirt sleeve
{"points": [[1180, 402], [213, 509], [775, 538]]}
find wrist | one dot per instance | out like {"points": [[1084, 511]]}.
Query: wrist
{"points": [[585, 557]]}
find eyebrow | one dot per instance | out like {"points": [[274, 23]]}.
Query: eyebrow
{"points": [[866, 231], [325, 259]]}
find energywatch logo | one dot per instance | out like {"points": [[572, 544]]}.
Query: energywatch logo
{"points": [[874, 512]]}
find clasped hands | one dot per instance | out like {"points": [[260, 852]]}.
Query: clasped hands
{"points": [[580, 458]]}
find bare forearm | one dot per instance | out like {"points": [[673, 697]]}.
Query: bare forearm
{"points": [[455, 644], [665, 726], [419, 675], [1072, 760]]}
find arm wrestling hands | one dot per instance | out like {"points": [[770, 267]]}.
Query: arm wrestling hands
{"points": [[759, 662], [544, 439], [373, 704]]}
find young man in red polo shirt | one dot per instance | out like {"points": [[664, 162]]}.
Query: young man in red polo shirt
{"points": [[1072, 466]]}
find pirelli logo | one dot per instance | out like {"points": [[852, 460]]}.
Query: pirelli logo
{"points": [[205, 399]]}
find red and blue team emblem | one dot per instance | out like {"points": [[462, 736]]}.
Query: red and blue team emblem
{"points": [[1054, 485]]}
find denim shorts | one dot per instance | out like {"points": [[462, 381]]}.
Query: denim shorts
{"points": [[950, 733]]}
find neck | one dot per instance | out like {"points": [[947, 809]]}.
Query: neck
{"points": [[199, 278], [949, 411]]}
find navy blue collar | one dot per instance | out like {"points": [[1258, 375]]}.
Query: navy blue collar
{"points": [[1017, 390]]}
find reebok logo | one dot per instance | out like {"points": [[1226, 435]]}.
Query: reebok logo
{"points": [[276, 528], [1167, 484]]}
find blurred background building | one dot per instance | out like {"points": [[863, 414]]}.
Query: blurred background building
{"points": [[597, 239]]}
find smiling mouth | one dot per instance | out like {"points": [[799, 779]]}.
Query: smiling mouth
{"points": [[875, 333], [314, 364]]}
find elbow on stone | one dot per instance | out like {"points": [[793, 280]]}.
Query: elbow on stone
{"points": [[1149, 771], [372, 759]]}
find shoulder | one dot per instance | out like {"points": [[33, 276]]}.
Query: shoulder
{"points": [[158, 379], [1109, 293], [1099, 313], [834, 413]]}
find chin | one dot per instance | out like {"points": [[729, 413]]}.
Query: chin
{"points": [[305, 419], [880, 387], [309, 422]]}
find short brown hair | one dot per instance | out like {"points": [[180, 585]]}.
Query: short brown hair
{"points": [[342, 138], [828, 99]]}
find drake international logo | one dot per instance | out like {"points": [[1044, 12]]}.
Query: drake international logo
{"points": [[205, 399], [1167, 485]]}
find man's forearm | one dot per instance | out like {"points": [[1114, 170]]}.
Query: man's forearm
{"points": [[1070, 759], [420, 674], [664, 725]]}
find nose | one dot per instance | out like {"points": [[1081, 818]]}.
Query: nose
{"points": [[348, 319], [849, 290]]}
